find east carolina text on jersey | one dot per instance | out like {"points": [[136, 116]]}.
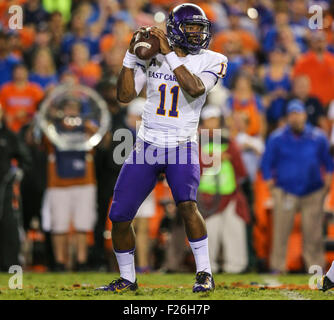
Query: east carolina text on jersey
{"points": [[161, 76]]}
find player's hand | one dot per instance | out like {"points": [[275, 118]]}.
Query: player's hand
{"points": [[164, 45], [132, 42]]}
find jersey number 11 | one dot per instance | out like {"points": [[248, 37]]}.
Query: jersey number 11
{"points": [[175, 92]]}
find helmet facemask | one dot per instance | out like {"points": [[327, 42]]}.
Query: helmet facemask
{"points": [[197, 37]]}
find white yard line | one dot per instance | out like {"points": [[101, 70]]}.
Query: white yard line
{"points": [[272, 282]]}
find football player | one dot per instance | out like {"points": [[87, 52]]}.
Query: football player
{"points": [[178, 80], [327, 281]]}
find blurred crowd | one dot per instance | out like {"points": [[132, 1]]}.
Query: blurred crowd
{"points": [[280, 75]]}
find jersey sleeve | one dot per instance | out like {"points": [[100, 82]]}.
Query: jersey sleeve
{"points": [[216, 64], [215, 68], [209, 80]]}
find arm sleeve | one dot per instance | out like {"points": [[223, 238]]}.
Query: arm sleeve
{"points": [[140, 79], [214, 69], [209, 80]]}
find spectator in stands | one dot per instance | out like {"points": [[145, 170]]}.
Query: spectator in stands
{"points": [[318, 65], [20, 98], [15, 44], [250, 68], [120, 37], [299, 22], [34, 13], [276, 78], [87, 71], [249, 43], [316, 114], [244, 100], [11, 148], [135, 16], [112, 62], [43, 40], [78, 33], [271, 37], [57, 29], [68, 78], [223, 204], [298, 169], [70, 198], [251, 147], [287, 40], [7, 61], [44, 70], [109, 12], [33, 183]]}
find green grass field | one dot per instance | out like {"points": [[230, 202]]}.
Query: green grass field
{"points": [[80, 286]]}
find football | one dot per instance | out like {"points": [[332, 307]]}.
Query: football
{"points": [[146, 45]]}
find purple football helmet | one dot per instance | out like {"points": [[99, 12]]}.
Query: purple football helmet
{"points": [[185, 14]]}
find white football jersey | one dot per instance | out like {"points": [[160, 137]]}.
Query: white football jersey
{"points": [[171, 115]]}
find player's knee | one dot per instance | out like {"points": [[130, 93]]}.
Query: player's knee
{"points": [[187, 208], [121, 227], [117, 214]]}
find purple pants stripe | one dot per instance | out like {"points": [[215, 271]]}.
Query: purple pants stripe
{"points": [[125, 251], [199, 239]]}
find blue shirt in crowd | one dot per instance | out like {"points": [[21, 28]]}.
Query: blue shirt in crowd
{"points": [[6, 68], [70, 39], [43, 81], [276, 108], [296, 162]]}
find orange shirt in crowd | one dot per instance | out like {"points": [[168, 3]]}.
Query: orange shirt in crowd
{"points": [[20, 104], [320, 72], [109, 41], [27, 36], [250, 109], [248, 41], [89, 74]]}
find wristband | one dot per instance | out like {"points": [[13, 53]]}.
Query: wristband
{"points": [[173, 60], [129, 60]]}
